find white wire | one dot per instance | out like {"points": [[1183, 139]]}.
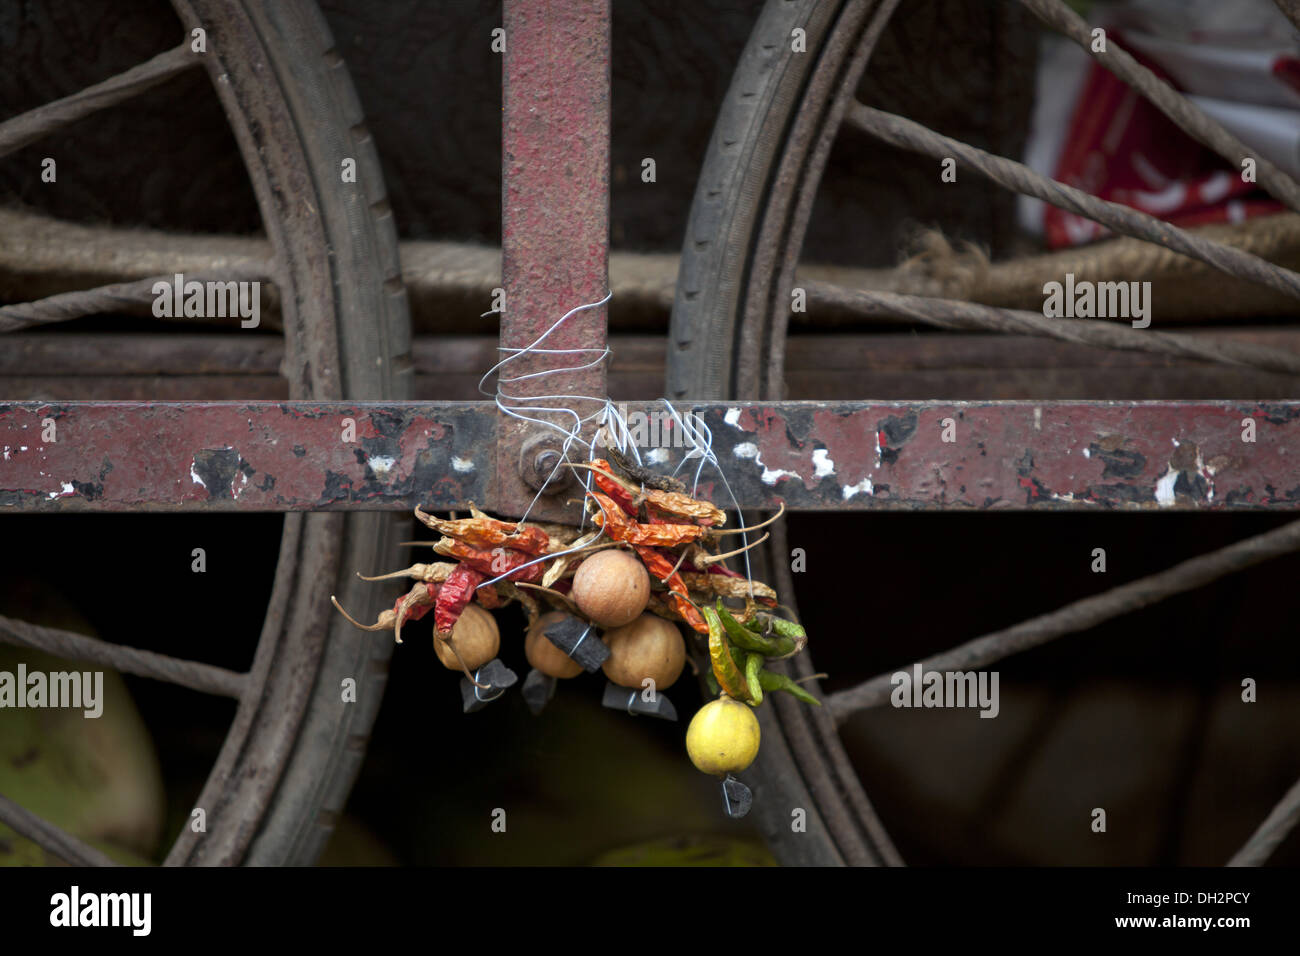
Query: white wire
{"points": [[611, 422]]}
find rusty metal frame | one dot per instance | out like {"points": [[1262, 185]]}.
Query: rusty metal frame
{"points": [[554, 224], [813, 456]]}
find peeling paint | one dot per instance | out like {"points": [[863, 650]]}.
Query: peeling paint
{"points": [[462, 465], [194, 477], [1165, 488], [822, 464], [862, 487], [770, 475], [381, 465], [66, 490]]}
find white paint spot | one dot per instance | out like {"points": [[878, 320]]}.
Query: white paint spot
{"points": [[1165, 488], [66, 490], [1038, 419], [462, 465], [770, 475], [24, 448], [194, 477], [876, 435], [657, 456], [381, 465], [6, 452], [732, 417], [822, 464], [1087, 453], [864, 487]]}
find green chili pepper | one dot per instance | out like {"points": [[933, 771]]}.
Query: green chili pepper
{"points": [[750, 641], [724, 666], [767, 624], [754, 666], [772, 681]]}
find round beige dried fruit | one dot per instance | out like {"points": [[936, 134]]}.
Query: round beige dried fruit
{"points": [[648, 647], [476, 637], [611, 587], [543, 654]]}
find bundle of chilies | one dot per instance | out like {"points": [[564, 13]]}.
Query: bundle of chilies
{"points": [[647, 552]]}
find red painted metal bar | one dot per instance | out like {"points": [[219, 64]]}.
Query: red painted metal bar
{"points": [[555, 215], [814, 456]]}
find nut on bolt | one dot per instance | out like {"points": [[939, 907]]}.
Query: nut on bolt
{"points": [[539, 456]]}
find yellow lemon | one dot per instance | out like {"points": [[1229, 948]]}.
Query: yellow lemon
{"points": [[723, 737]]}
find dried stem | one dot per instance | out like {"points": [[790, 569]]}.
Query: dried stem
{"points": [[364, 627], [714, 558], [762, 524]]}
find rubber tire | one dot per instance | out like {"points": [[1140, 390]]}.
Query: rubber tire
{"points": [[714, 277], [730, 197], [373, 329]]}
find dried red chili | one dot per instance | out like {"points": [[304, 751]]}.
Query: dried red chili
{"points": [[672, 503], [493, 563], [622, 528], [486, 533], [453, 595], [661, 566]]}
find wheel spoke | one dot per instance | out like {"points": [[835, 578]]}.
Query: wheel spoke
{"points": [[64, 845], [1193, 121], [1081, 615], [65, 306], [902, 132], [1292, 10], [1280, 822], [28, 127], [129, 660], [967, 316]]}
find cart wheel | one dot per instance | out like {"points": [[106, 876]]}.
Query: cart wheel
{"points": [[293, 749], [744, 236]]}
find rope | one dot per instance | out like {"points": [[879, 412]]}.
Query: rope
{"points": [[1018, 177], [129, 660], [28, 127], [967, 316], [120, 297]]}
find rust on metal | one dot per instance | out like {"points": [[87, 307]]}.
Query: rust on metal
{"points": [[1012, 455], [555, 212], [814, 456], [236, 456]]}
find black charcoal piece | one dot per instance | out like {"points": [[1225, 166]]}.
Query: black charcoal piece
{"points": [[736, 797], [493, 673], [632, 700], [538, 689], [580, 641]]}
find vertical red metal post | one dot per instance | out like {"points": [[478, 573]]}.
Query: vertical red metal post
{"points": [[555, 215]]}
